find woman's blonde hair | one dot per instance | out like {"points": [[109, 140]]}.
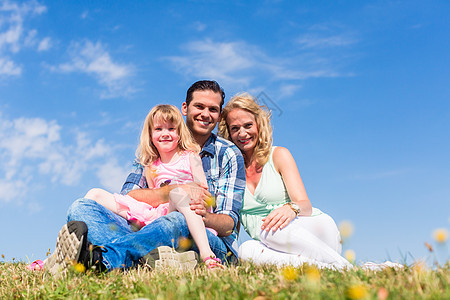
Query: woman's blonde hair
{"points": [[262, 116], [147, 152]]}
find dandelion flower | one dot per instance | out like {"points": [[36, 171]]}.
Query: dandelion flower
{"points": [[350, 255], [357, 292], [419, 266], [312, 275], [289, 273], [440, 235], [346, 229], [210, 201], [185, 243], [79, 267]]}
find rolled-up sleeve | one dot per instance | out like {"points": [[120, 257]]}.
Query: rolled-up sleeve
{"points": [[135, 180], [231, 184]]}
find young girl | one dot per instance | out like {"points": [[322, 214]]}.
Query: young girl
{"points": [[169, 156]]}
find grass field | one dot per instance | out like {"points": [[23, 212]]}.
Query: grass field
{"points": [[245, 281]]}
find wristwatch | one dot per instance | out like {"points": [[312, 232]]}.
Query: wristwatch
{"points": [[294, 207]]}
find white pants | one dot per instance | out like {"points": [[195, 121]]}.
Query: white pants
{"points": [[314, 240]]}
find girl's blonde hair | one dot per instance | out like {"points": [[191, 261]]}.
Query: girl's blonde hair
{"points": [[147, 152], [262, 116]]}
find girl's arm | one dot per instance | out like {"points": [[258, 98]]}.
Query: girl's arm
{"points": [[197, 170], [282, 216]]}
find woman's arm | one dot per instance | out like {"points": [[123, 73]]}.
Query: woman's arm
{"points": [[285, 165]]}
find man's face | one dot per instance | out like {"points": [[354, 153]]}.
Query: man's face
{"points": [[202, 114]]}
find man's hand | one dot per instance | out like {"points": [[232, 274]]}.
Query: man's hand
{"points": [[200, 207], [199, 195]]}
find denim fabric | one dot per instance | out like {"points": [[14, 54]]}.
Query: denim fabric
{"points": [[125, 246]]}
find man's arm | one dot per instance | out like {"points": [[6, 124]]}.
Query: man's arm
{"points": [[154, 197], [229, 194], [136, 187]]}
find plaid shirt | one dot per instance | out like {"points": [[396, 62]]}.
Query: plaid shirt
{"points": [[225, 172]]}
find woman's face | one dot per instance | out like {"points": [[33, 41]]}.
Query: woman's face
{"points": [[243, 129]]}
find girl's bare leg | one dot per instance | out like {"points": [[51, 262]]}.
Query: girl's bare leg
{"points": [[106, 199], [179, 200]]}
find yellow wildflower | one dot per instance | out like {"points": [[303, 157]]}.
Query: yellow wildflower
{"points": [[419, 266], [357, 292], [440, 235], [346, 229], [210, 202], [289, 273], [79, 267], [350, 255], [185, 243], [312, 274]]}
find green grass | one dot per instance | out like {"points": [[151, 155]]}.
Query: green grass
{"points": [[245, 281]]}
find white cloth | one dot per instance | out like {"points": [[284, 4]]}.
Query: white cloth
{"points": [[314, 240]]}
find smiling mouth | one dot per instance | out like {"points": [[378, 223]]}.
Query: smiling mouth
{"points": [[245, 141], [204, 123]]}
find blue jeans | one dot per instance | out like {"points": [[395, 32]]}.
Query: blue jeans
{"points": [[124, 245]]}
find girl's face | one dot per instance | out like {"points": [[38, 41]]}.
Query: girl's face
{"points": [[243, 129], [165, 136]]}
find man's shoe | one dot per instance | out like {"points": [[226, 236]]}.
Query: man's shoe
{"points": [[72, 247], [165, 257]]}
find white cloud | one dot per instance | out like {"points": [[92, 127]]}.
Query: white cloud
{"points": [[85, 14], [8, 67], [33, 154], [239, 63], [94, 60], [13, 35], [112, 175], [45, 44], [218, 60], [317, 41], [287, 90], [199, 26]]}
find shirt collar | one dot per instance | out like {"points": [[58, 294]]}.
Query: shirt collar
{"points": [[209, 148]]}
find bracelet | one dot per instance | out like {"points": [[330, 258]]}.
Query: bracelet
{"points": [[294, 207]]}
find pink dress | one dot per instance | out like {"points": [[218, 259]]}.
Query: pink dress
{"points": [[177, 172]]}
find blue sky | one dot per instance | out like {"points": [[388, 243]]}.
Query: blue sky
{"points": [[360, 94]]}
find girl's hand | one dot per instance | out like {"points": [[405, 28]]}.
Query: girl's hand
{"points": [[278, 218]]}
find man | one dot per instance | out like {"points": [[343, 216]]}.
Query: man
{"points": [[117, 245]]}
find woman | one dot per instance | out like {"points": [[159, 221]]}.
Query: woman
{"points": [[276, 211]]}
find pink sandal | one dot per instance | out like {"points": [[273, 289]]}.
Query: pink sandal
{"points": [[37, 265], [215, 263]]}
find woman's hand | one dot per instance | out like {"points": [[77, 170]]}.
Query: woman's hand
{"points": [[278, 218]]}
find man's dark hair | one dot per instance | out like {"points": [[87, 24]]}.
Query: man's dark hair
{"points": [[205, 85]]}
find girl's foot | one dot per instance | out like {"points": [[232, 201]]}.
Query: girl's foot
{"points": [[36, 265], [213, 262]]}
